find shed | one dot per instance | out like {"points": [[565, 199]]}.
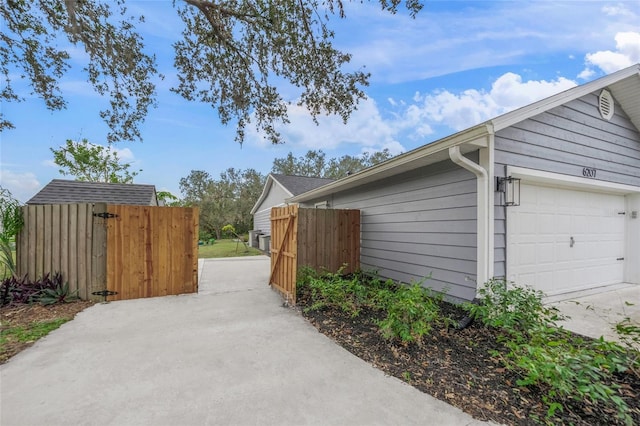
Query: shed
{"points": [[61, 191], [277, 189], [547, 195]]}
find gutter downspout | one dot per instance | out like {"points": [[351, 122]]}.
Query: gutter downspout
{"points": [[482, 235]]}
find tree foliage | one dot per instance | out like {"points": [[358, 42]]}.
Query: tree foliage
{"points": [[223, 201], [315, 164], [11, 223], [92, 163], [234, 55], [117, 67]]}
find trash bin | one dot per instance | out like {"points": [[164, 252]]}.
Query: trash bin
{"points": [[253, 238]]}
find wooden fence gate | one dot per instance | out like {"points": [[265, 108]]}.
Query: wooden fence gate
{"points": [[323, 239], [136, 251]]}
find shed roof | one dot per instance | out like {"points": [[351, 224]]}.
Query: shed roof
{"points": [[60, 191], [624, 86]]}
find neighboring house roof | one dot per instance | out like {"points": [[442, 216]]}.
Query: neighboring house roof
{"points": [[60, 191], [624, 85], [292, 185]]}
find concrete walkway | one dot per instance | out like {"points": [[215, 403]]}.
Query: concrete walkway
{"points": [[230, 355]]}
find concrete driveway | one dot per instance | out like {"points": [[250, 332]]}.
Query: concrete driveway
{"points": [[596, 313], [228, 355]]}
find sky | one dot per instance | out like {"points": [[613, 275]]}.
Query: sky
{"points": [[458, 63]]}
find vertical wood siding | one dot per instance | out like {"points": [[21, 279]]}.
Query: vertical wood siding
{"points": [[564, 140], [152, 251], [144, 251], [325, 240], [419, 224], [61, 238]]}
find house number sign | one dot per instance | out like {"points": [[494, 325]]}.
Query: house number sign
{"points": [[589, 172]]}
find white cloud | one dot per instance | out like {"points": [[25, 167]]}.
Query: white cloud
{"points": [[467, 108], [618, 10], [626, 53], [365, 128], [23, 186]]}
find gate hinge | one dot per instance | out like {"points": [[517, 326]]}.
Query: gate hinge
{"points": [[105, 215], [620, 258], [622, 213]]}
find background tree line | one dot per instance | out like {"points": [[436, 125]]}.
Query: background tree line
{"points": [[226, 200], [229, 199]]}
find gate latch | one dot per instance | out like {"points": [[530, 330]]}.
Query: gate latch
{"points": [[105, 215]]}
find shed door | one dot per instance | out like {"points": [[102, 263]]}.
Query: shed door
{"points": [[563, 240]]}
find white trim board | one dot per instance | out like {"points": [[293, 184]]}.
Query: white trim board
{"points": [[566, 181]]}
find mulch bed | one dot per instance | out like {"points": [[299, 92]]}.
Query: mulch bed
{"points": [[457, 367]]}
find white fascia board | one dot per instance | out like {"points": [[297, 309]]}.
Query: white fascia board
{"points": [[546, 104], [566, 181], [475, 136]]}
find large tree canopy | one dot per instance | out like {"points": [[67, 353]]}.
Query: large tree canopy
{"points": [[233, 54]]}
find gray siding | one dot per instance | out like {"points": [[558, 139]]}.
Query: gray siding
{"points": [[564, 140], [262, 216], [419, 224]]}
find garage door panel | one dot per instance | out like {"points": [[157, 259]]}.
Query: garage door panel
{"points": [[540, 233]]}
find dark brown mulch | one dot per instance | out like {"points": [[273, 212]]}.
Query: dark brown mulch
{"points": [[25, 315], [458, 367]]}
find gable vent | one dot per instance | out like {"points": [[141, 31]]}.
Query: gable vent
{"points": [[605, 104]]}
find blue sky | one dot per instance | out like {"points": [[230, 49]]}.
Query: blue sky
{"points": [[457, 64]]}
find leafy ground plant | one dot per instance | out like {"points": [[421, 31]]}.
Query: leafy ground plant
{"points": [[513, 374], [566, 366], [16, 291]]}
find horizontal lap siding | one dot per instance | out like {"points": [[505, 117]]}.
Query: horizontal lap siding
{"points": [[262, 216], [419, 224], [565, 140]]}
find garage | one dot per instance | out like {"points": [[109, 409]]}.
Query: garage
{"points": [[563, 240]]}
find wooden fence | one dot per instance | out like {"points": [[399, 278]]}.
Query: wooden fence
{"points": [[136, 251], [323, 239]]}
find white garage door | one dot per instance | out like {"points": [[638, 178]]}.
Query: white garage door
{"points": [[563, 240]]}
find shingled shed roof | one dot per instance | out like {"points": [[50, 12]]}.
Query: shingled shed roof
{"points": [[300, 184], [60, 191]]}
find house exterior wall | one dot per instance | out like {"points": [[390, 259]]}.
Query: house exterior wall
{"points": [[262, 216], [418, 224], [564, 140]]}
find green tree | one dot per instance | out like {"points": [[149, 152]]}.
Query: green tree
{"points": [[227, 200], [233, 56], [315, 164], [11, 222], [92, 163]]}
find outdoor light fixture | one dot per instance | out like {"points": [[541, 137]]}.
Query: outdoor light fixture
{"points": [[509, 189]]}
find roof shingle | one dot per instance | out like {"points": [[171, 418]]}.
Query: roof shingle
{"points": [[60, 191]]}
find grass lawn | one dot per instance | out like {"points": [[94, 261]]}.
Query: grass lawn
{"points": [[226, 248]]}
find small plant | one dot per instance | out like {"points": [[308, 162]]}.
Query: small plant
{"points": [[59, 294], [511, 307], [16, 291], [411, 311], [11, 222]]}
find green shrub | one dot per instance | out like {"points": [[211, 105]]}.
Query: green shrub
{"points": [[511, 307], [565, 366], [411, 311]]}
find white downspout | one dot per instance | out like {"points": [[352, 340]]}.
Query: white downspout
{"points": [[482, 268]]}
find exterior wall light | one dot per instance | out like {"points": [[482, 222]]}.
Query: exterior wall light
{"points": [[509, 189]]}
